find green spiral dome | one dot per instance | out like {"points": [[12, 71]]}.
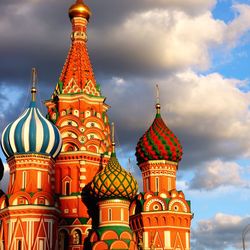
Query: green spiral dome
{"points": [[113, 182]]}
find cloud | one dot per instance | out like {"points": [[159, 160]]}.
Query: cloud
{"points": [[217, 173], [4, 182], [165, 39], [220, 232], [209, 113]]}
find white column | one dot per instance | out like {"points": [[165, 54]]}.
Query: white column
{"points": [[187, 241], [167, 239], [39, 180], [145, 239]]}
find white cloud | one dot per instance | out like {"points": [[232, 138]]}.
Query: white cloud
{"points": [[171, 39], [220, 232], [239, 26], [4, 182], [217, 173], [209, 112]]}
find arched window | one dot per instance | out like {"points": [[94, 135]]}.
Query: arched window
{"points": [[63, 240], [67, 188], [77, 237], [19, 244]]}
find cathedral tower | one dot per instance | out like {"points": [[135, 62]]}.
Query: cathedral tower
{"points": [[29, 212], [78, 109], [113, 188], [160, 215]]}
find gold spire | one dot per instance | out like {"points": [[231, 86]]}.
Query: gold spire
{"points": [[34, 81], [79, 9], [113, 137], [158, 105]]}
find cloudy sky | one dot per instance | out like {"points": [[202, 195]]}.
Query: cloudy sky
{"points": [[198, 51]]}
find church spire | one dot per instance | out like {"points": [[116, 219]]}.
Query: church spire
{"points": [[158, 105], [77, 75], [34, 82], [113, 137]]}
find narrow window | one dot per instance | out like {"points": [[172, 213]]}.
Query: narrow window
{"points": [[147, 184], [157, 184], [67, 188], [24, 181], [19, 244], [39, 180], [110, 214]]}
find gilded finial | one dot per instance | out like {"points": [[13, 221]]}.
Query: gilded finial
{"points": [[158, 105], [113, 137], [34, 82], [79, 9]]}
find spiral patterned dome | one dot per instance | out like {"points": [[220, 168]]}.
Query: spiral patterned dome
{"points": [[113, 182], [158, 143], [31, 133]]}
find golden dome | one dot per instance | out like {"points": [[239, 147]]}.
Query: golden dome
{"points": [[79, 9]]}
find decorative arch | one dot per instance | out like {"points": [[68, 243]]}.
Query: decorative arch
{"points": [[177, 205], [109, 235], [119, 244], [22, 195], [71, 142], [68, 117], [96, 131], [125, 236], [100, 245], [48, 199], [63, 239], [148, 195], [77, 237], [66, 185], [94, 119], [132, 208], [155, 204]]}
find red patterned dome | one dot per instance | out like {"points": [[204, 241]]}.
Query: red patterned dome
{"points": [[158, 143]]}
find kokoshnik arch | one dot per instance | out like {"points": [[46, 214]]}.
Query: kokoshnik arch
{"points": [[67, 189]]}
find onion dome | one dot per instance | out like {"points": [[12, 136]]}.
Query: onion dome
{"points": [[31, 133], [158, 143], [113, 182], [79, 9]]}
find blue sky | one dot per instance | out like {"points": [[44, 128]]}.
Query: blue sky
{"points": [[196, 50]]}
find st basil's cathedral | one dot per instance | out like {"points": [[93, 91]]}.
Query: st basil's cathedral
{"points": [[67, 189]]}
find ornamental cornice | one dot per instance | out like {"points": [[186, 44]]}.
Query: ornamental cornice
{"points": [[75, 156], [166, 212], [29, 210], [112, 201], [157, 163], [75, 97]]}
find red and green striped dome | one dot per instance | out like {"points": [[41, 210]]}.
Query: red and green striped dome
{"points": [[158, 143]]}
